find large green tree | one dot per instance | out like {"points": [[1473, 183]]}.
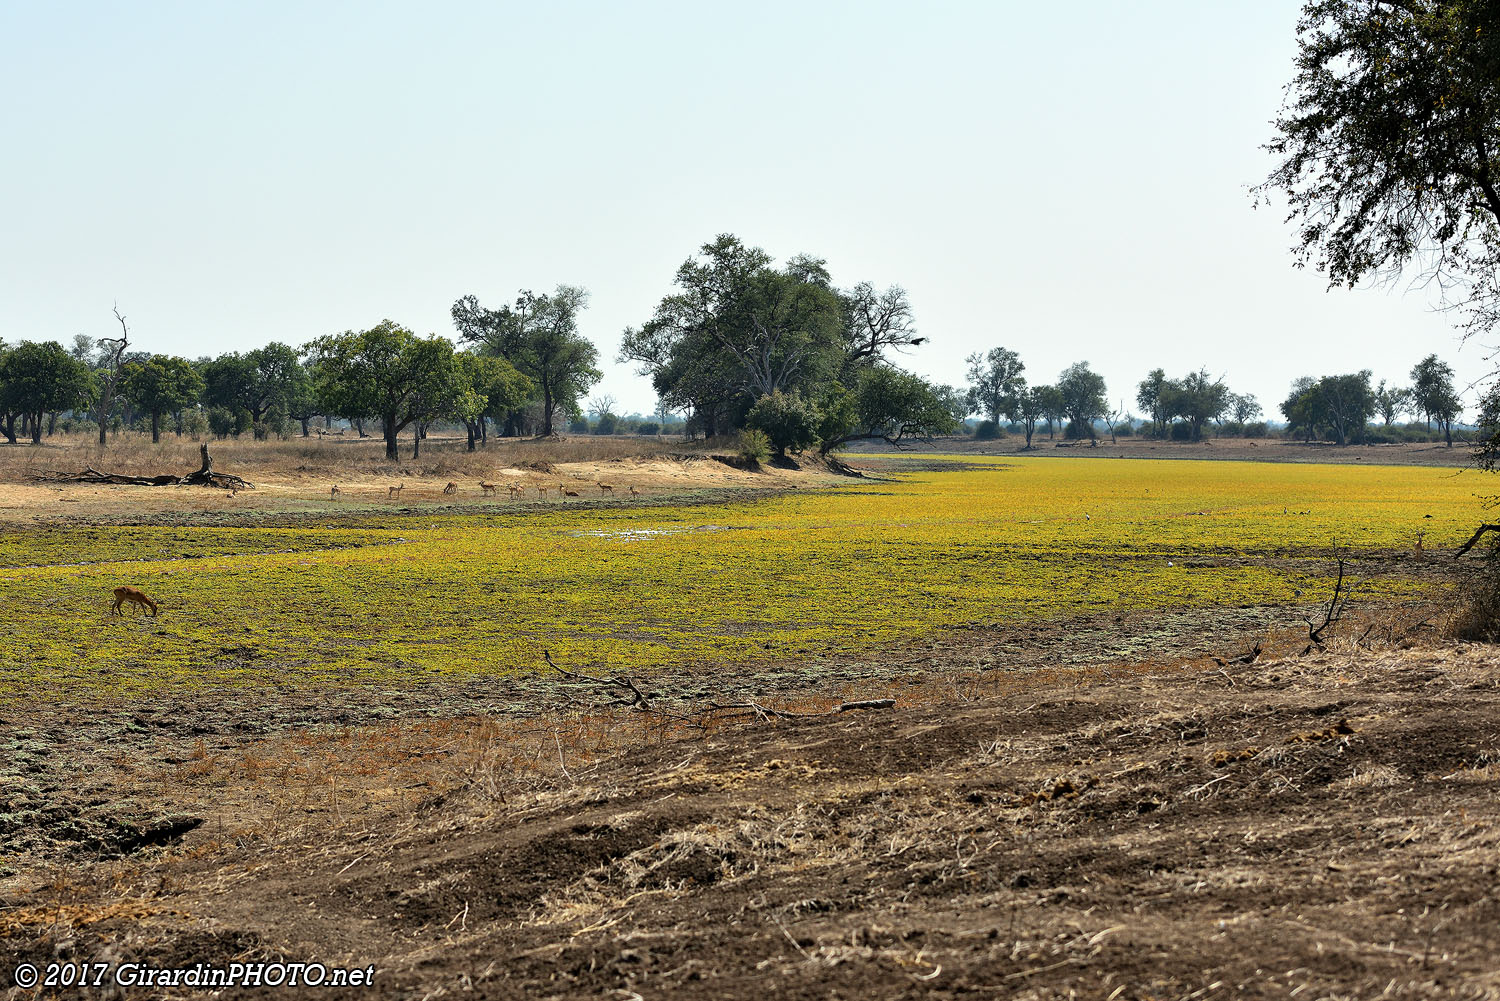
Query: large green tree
{"points": [[497, 386], [160, 384], [256, 381], [390, 372], [888, 405], [1083, 396], [1433, 394], [1389, 144], [995, 382], [539, 336], [1197, 399], [35, 378]]}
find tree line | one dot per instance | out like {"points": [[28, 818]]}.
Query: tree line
{"points": [[740, 344]]}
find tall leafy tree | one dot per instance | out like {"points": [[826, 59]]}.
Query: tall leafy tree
{"points": [[995, 382], [1433, 394], [1348, 403], [1083, 396], [1151, 396], [1197, 399], [1303, 408], [36, 378], [496, 384], [1389, 145], [891, 406], [387, 371], [255, 382], [161, 384], [539, 336], [1391, 402]]}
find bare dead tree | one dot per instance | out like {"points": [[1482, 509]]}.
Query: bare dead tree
{"points": [[1338, 604], [111, 350]]}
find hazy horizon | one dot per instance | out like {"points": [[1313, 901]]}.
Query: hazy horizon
{"points": [[1074, 190]]}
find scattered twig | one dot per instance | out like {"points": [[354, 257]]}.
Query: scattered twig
{"points": [[1474, 539]]}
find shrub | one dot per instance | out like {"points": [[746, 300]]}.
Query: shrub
{"points": [[1182, 432], [788, 421], [1257, 429], [1079, 429], [987, 430], [649, 427], [578, 425], [754, 445], [1124, 429], [606, 424]]}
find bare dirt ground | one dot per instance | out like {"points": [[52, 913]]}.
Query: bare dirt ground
{"points": [[1321, 825], [1234, 449]]}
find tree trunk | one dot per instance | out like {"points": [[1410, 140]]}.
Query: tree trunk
{"points": [[9, 428], [546, 409], [155, 427], [390, 440], [470, 426], [416, 439], [52, 424], [36, 428], [307, 427]]}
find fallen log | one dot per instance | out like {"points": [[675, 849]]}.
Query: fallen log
{"points": [[204, 477]]}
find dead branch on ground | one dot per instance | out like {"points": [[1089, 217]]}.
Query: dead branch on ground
{"points": [[205, 476]]}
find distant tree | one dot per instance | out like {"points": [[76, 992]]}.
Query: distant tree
{"points": [[256, 381], [994, 382], [109, 355], [1389, 144], [890, 405], [1303, 408], [1348, 403], [1244, 407], [1053, 407], [390, 372], [161, 384], [1028, 407], [1433, 394], [36, 378], [1150, 396], [1391, 402], [1197, 399], [539, 336], [1083, 397]]}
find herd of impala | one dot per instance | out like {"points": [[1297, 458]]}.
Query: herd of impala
{"points": [[517, 491]]}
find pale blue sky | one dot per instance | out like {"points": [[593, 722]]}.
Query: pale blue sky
{"points": [[1068, 180]]}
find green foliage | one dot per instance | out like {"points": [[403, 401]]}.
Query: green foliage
{"points": [[37, 378], [1081, 390], [161, 384], [890, 405], [987, 430], [607, 424], [1387, 144], [754, 445], [390, 372], [648, 428], [1432, 394], [1197, 399], [787, 420], [995, 383], [579, 425], [256, 381], [539, 336]]}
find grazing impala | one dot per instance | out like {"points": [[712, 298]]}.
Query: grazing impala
{"points": [[488, 488], [634, 492], [395, 491], [607, 488], [124, 594], [451, 488], [333, 492]]}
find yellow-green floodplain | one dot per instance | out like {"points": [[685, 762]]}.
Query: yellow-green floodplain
{"points": [[413, 597]]}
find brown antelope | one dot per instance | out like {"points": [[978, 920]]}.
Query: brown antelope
{"points": [[607, 488], [333, 492], [488, 488], [124, 594], [450, 489], [634, 492], [541, 491], [515, 492], [395, 491], [567, 493]]}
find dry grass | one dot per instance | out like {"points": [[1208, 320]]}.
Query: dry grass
{"points": [[298, 458]]}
